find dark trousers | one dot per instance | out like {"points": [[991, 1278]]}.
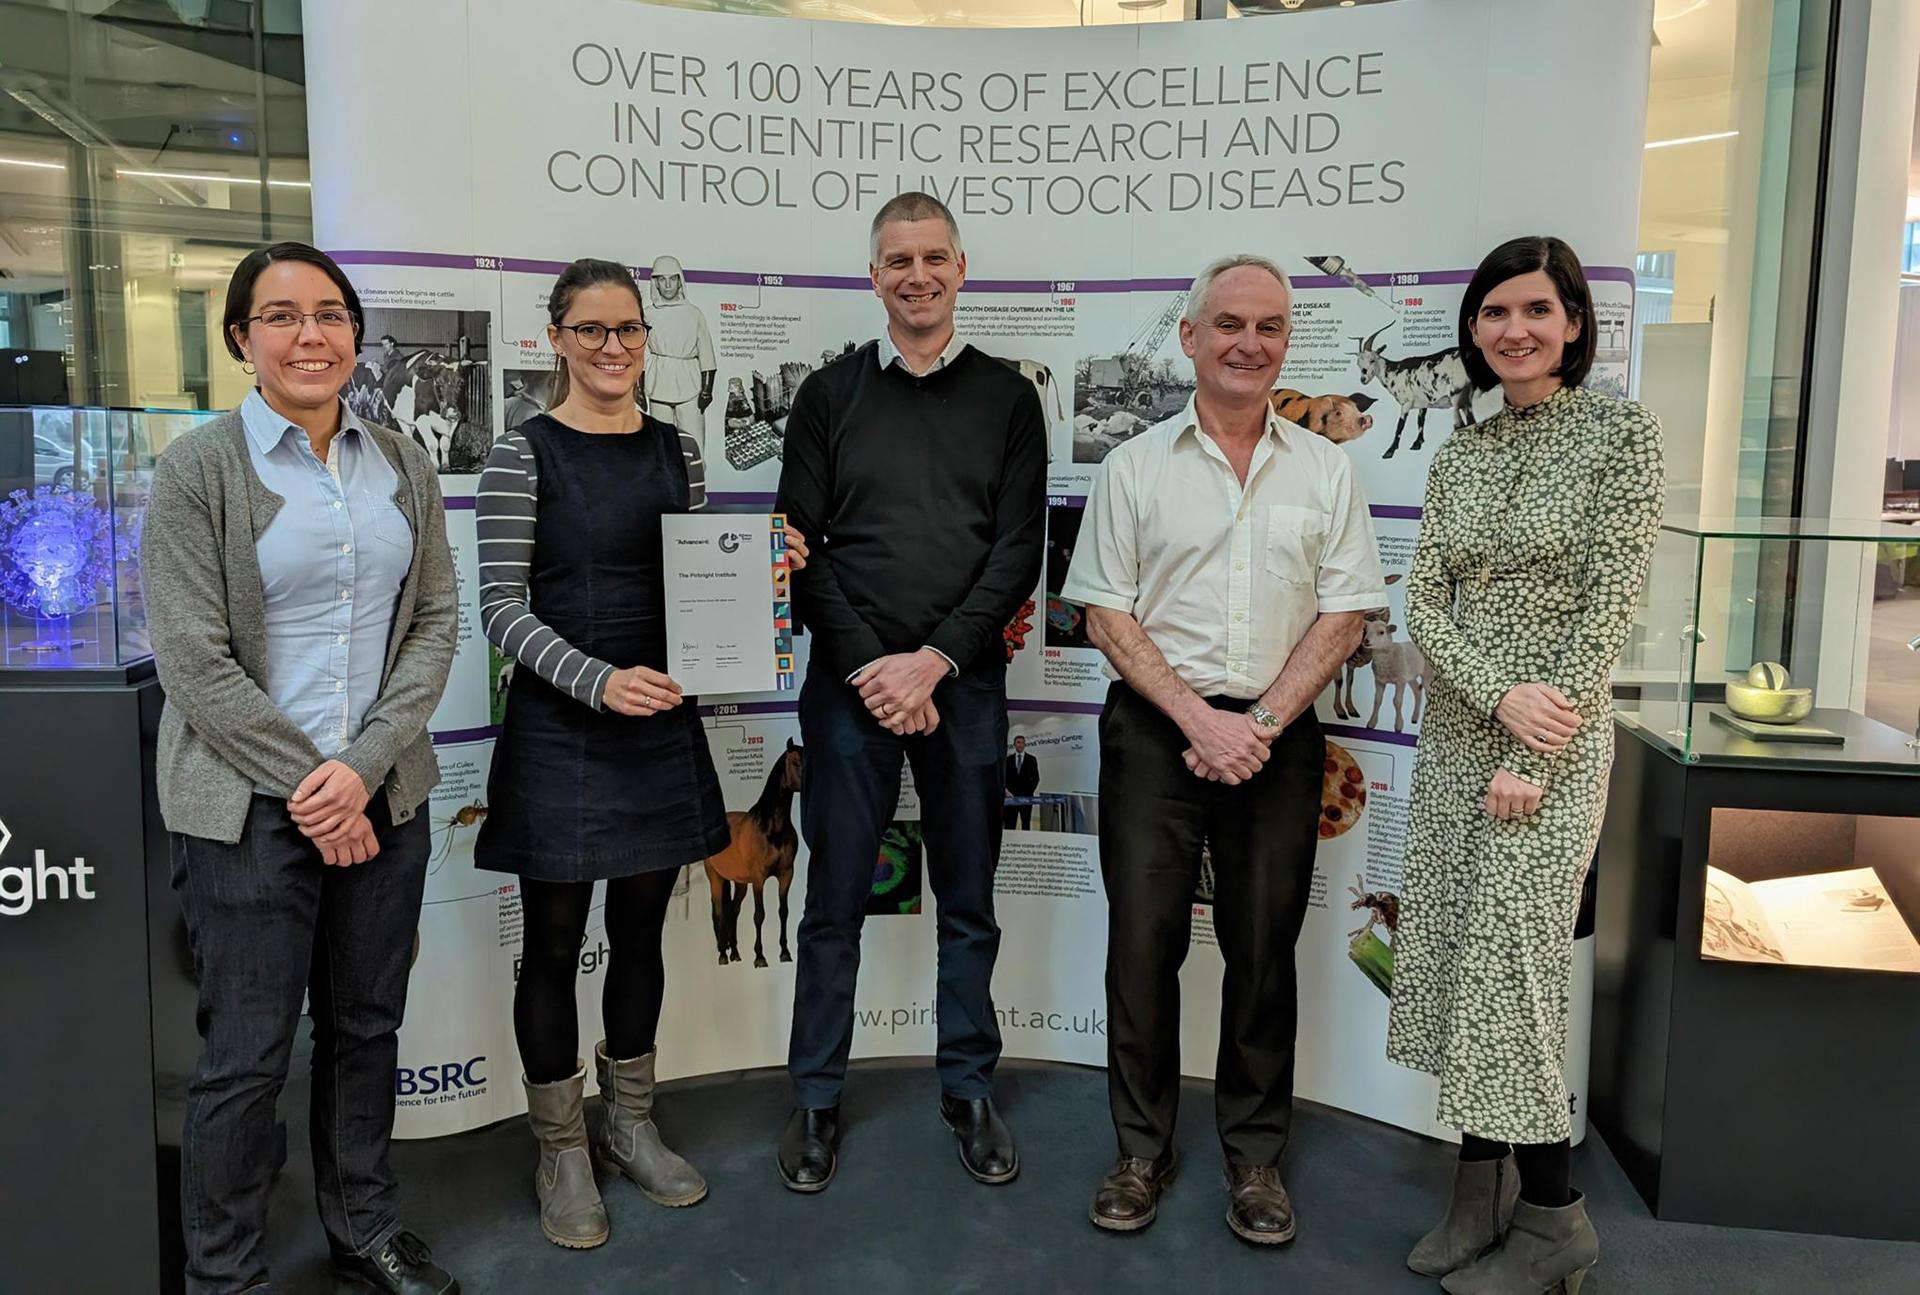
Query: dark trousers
{"points": [[1020, 816], [1154, 818], [268, 922], [850, 793]]}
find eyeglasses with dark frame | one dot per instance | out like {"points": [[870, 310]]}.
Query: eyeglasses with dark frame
{"points": [[632, 336], [325, 317]]}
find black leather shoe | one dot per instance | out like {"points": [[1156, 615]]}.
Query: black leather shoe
{"points": [[1258, 1209], [809, 1148], [402, 1266], [986, 1143], [1129, 1196]]}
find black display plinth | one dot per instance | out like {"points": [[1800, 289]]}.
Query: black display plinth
{"points": [[88, 946], [1746, 1094]]}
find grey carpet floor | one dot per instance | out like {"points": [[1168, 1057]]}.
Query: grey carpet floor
{"points": [[903, 1217]]}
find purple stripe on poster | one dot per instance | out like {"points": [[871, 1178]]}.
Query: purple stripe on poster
{"points": [[455, 736], [1371, 734], [741, 498], [861, 283], [520, 265], [1055, 707], [727, 710], [428, 260], [458, 503], [1400, 512]]}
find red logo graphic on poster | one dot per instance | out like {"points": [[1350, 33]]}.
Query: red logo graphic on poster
{"points": [[1014, 636]]}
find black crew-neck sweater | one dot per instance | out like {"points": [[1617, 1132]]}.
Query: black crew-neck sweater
{"points": [[924, 501]]}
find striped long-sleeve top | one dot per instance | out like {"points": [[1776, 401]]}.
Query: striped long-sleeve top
{"points": [[505, 510]]}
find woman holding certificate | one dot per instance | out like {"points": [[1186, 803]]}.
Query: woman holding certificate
{"points": [[601, 771]]}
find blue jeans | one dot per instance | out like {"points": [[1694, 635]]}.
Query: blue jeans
{"points": [[851, 788], [268, 922]]}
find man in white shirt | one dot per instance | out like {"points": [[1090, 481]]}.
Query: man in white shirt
{"points": [[1225, 561]]}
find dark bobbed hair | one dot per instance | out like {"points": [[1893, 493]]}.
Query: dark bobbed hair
{"points": [[587, 272], [254, 264], [1510, 260]]}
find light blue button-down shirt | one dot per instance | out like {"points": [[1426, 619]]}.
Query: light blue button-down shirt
{"points": [[331, 565]]}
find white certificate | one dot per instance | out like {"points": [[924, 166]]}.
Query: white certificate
{"points": [[729, 626]]}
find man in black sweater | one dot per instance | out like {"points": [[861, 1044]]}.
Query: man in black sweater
{"points": [[921, 465], [1023, 779]]}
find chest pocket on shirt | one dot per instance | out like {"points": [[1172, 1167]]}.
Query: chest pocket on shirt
{"points": [[1295, 539], [389, 523]]}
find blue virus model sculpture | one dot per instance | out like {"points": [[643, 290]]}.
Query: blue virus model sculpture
{"points": [[57, 552]]}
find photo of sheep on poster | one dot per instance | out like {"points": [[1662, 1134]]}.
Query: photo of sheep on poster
{"points": [[424, 373]]}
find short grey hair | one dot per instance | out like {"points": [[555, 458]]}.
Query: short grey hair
{"points": [[1203, 286], [912, 205]]}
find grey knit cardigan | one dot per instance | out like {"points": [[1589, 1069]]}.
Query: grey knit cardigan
{"points": [[220, 734]]}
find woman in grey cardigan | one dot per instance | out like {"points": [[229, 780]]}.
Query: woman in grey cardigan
{"points": [[300, 595]]}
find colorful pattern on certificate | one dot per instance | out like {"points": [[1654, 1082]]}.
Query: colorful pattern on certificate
{"points": [[782, 606]]}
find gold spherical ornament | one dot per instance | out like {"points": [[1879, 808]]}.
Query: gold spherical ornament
{"points": [[1769, 674]]}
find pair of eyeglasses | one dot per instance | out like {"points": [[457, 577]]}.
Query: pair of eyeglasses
{"points": [[330, 317], [594, 336]]}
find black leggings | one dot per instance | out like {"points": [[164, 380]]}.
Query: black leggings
{"points": [[1546, 1168], [554, 919]]}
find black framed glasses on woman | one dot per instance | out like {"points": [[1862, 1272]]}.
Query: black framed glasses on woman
{"points": [[594, 336], [327, 317]]}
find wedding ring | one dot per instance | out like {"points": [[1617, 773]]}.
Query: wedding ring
{"points": [[886, 708]]}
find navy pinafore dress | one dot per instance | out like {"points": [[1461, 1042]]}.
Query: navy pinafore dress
{"points": [[577, 794]]}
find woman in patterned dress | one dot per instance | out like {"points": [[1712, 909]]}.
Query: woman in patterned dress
{"points": [[1538, 529]]}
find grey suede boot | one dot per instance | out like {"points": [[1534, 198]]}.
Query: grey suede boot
{"points": [[571, 1213], [1545, 1250], [1477, 1216], [629, 1140]]}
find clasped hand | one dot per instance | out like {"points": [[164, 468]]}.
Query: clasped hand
{"points": [[1539, 716], [1511, 796], [1228, 746], [329, 807], [898, 690]]}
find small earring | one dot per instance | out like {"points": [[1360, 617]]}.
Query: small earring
{"points": [[246, 367]]}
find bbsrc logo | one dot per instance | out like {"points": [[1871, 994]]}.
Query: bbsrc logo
{"points": [[22, 887], [730, 542], [446, 1081]]}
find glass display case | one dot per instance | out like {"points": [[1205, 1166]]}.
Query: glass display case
{"points": [[73, 492], [1824, 675]]}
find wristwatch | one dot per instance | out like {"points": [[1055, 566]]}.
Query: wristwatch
{"points": [[1260, 715]]}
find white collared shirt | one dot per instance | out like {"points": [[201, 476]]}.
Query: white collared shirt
{"points": [[1226, 579], [889, 353]]}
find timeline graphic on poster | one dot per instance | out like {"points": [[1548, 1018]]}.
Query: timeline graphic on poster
{"points": [[735, 164]]}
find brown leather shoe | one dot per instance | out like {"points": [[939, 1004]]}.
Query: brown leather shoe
{"points": [[1129, 1196], [1258, 1209]]}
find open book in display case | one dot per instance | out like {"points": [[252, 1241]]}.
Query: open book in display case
{"points": [[1757, 941]]}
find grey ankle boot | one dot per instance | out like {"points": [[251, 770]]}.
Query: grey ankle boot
{"points": [[1477, 1216], [629, 1140], [1545, 1250], [570, 1210]]}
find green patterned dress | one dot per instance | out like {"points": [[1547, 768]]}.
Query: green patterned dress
{"points": [[1534, 545]]}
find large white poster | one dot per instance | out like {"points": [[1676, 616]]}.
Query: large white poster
{"points": [[473, 147]]}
